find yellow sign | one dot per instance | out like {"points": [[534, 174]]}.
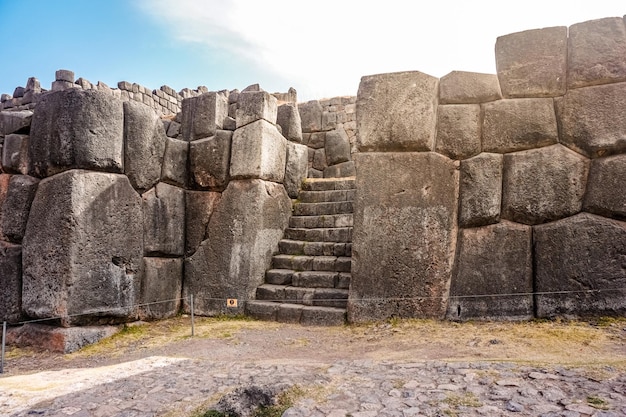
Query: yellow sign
{"points": [[231, 302]]}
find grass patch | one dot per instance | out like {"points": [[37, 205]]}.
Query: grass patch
{"points": [[597, 402], [284, 400], [466, 400]]}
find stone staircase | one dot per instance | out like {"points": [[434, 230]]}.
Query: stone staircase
{"points": [[310, 276]]}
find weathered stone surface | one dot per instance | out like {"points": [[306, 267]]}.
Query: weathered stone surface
{"points": [[64, 75], [258, 151], [542, 185], [461, 87], [256, 105], [199, 207], [411, 197], [344, 169], [596, 52], [591, 119], [244, 230], [174, 170], [458, 130], [480, 194], [210, 160], [311, 116], [533, 63], [203, 115], [164, 220], [56, 339], [296, 168], [15, 154], [397, 112], [15, 121], [288, 118], [577, 255], [337, 147], [84, 245], [161, 288], [319, 159], [519, 124], [493, 277], [77, 129], [16, 207], [144, 145], [605, 194], [10, 282]]}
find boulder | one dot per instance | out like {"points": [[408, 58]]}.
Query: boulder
{"points": [[258, 151], [493, 277], [460, 87], [591, 120], [605, 193], [480, 191], [15, 154], [296, 168], [404, 235], [203, 115], [578, 267], [84, 245], [458, 130], [288, 118], [337, 147], [15, 122], [144, 145], [397, 112], [174, 170], [519, 124], [543, 185], [310, 116], [161, 288], [533, 63], [209, 160], [77, 128], [244, 232], [256, 105], [199, 207], [16, 207], [164, 220], [10, 282], [596, 52]]}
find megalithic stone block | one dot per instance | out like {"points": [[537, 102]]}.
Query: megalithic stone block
{"points": [[296, 167], [84, 245], [174, 170], [10, 282], [15, 122], [15, 154], [16, 207], [164, 220], [606, 187], [337, 147], [288, 118], [161, 288], [199, 207], [461, 87], [256, 105], [311, 116], [210, 160], [458, 130], [480, 193], [203, 115]]}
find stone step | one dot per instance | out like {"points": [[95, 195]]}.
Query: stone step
{"points": [[279, 276], [321, 209], [312, 263], [301, 247], [324, 184], [317, 222], [324, 297], [296, 313], [326, 196], [331, 234], [321, 279]]}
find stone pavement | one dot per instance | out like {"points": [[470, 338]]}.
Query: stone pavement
{"points": [[170, 386]]}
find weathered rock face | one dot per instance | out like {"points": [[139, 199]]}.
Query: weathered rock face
{"points": [[162, 281], [84, 245], [244, 232], [16, 207], [458, 130], [296, 168], [174, 170], [164, 220], [493, 260], [202, 116], [15, 154], [397, 112], [199, 207], [288, 118], [412, 198], [542, 185], [480, 194], [10, 282], [77, 129], [533, 63], [256, 105], [607, 177], [15, 122], [210, 160], [258, 151], [461, 87], [311, 116], [580, 254]]}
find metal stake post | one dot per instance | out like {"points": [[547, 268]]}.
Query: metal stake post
{"points": [[4, 337], [192, 318]]}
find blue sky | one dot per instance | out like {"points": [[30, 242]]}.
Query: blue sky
{"points": [[320, 47]]}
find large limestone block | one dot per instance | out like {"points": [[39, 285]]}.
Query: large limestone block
{"points": [[209, 160], [15, 121], [458, 130], [199, 207], [256, 105], [533, 63], [296, 168], [591, 119], [337, 147], [16, 207], [203, 115], [311, 116], [174, 170], [397, 112], [288, 117], [164, 220], [244, 230], [161, 288], [144, 145], [461, 87], [480, 194], [15, 154], [404, 236], [519, 124], [77, 128], [258, 151], [84, 246], [542, 185], [493, 277], [577, 255], [596, 52], [606, 192], [10, 282]]}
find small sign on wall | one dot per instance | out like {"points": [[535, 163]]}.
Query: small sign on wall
{"points": [[231, 302]]}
